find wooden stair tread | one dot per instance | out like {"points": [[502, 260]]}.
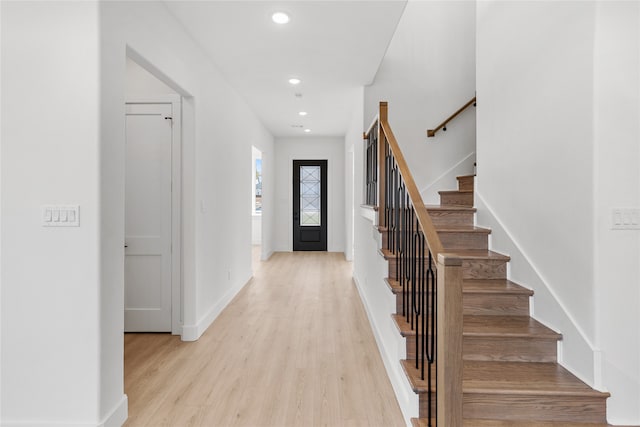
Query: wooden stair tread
{"points": [[393, 285], [477, 286], [454, 191], [494, 286], [436, 208], [506, 326], [422, 422], [466, 176], [478, 254], [403, 326], [519, 423], [452, 228], [489, 326], [418, 385], [547, 379], [465, 254], [510, 378]]}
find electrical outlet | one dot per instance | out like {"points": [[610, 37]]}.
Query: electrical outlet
{"points": [[625, 219]]}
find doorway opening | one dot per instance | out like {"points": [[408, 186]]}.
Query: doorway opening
{"points": [[256, 207], [153, 206]]}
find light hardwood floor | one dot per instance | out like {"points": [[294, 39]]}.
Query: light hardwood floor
{"points": [[294, 348]]}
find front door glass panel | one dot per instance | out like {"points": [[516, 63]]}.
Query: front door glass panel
{"points": [[310, 200]]}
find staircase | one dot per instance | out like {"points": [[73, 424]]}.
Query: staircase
{"points": [[511, 376]]}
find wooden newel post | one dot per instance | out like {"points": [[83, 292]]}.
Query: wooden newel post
{"points": [[382, 178], [449, 335]]}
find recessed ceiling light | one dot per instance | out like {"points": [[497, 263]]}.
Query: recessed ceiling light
{"points": [[280, 18], [302, 113], [294, 81], [307, 130]]}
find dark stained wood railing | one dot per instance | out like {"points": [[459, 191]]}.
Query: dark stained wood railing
{"points": [[371, 165], [432, 132], [431, 280]]}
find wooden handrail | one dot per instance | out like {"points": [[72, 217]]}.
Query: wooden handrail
{"points": [[432, 132], [430, 233]]}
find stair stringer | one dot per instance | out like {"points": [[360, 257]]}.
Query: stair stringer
{"points": [[378, 303], [576, 352]]}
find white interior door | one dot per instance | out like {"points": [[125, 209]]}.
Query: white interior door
{"points": [[148, 234]]}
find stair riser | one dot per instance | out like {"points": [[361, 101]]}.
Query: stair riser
{"points": [[484, 269], [487, 304], [471, 269], [399, 304], [462, 240], [458, 199], [496, 304], [392, 268], [423, 406], [531, 407], [500, 349], [451, 218], [465, 183]]}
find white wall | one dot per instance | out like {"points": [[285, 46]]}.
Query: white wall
{"points": [[140, 82], [557, 149], [63, 68], [309, 148], [51, 284], [428, 73], [617, 184]]}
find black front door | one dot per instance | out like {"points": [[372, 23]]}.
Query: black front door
{"points": [[309, 205]]}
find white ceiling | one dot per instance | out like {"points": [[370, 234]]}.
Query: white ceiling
{"points": [[332, 46]]}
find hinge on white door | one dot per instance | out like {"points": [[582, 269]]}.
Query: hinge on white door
{"points": [[169, 118]]}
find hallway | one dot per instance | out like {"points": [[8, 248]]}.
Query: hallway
{"points": [[294, 348]]}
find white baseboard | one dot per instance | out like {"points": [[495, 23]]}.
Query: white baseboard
{"points": [[265, 257], [392, 365], [118, 415], [116, 418], [193, 332]]}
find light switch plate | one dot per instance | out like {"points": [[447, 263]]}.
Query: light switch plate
{"points": [[625, 219], [61, 215]]}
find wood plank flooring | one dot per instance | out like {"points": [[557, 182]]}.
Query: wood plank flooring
{"points": [[294, 348]]}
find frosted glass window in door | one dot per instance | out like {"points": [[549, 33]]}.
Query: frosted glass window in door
{"points": [[310, 196]]}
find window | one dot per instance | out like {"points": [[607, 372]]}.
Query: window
{"points": [[257, 206]]}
